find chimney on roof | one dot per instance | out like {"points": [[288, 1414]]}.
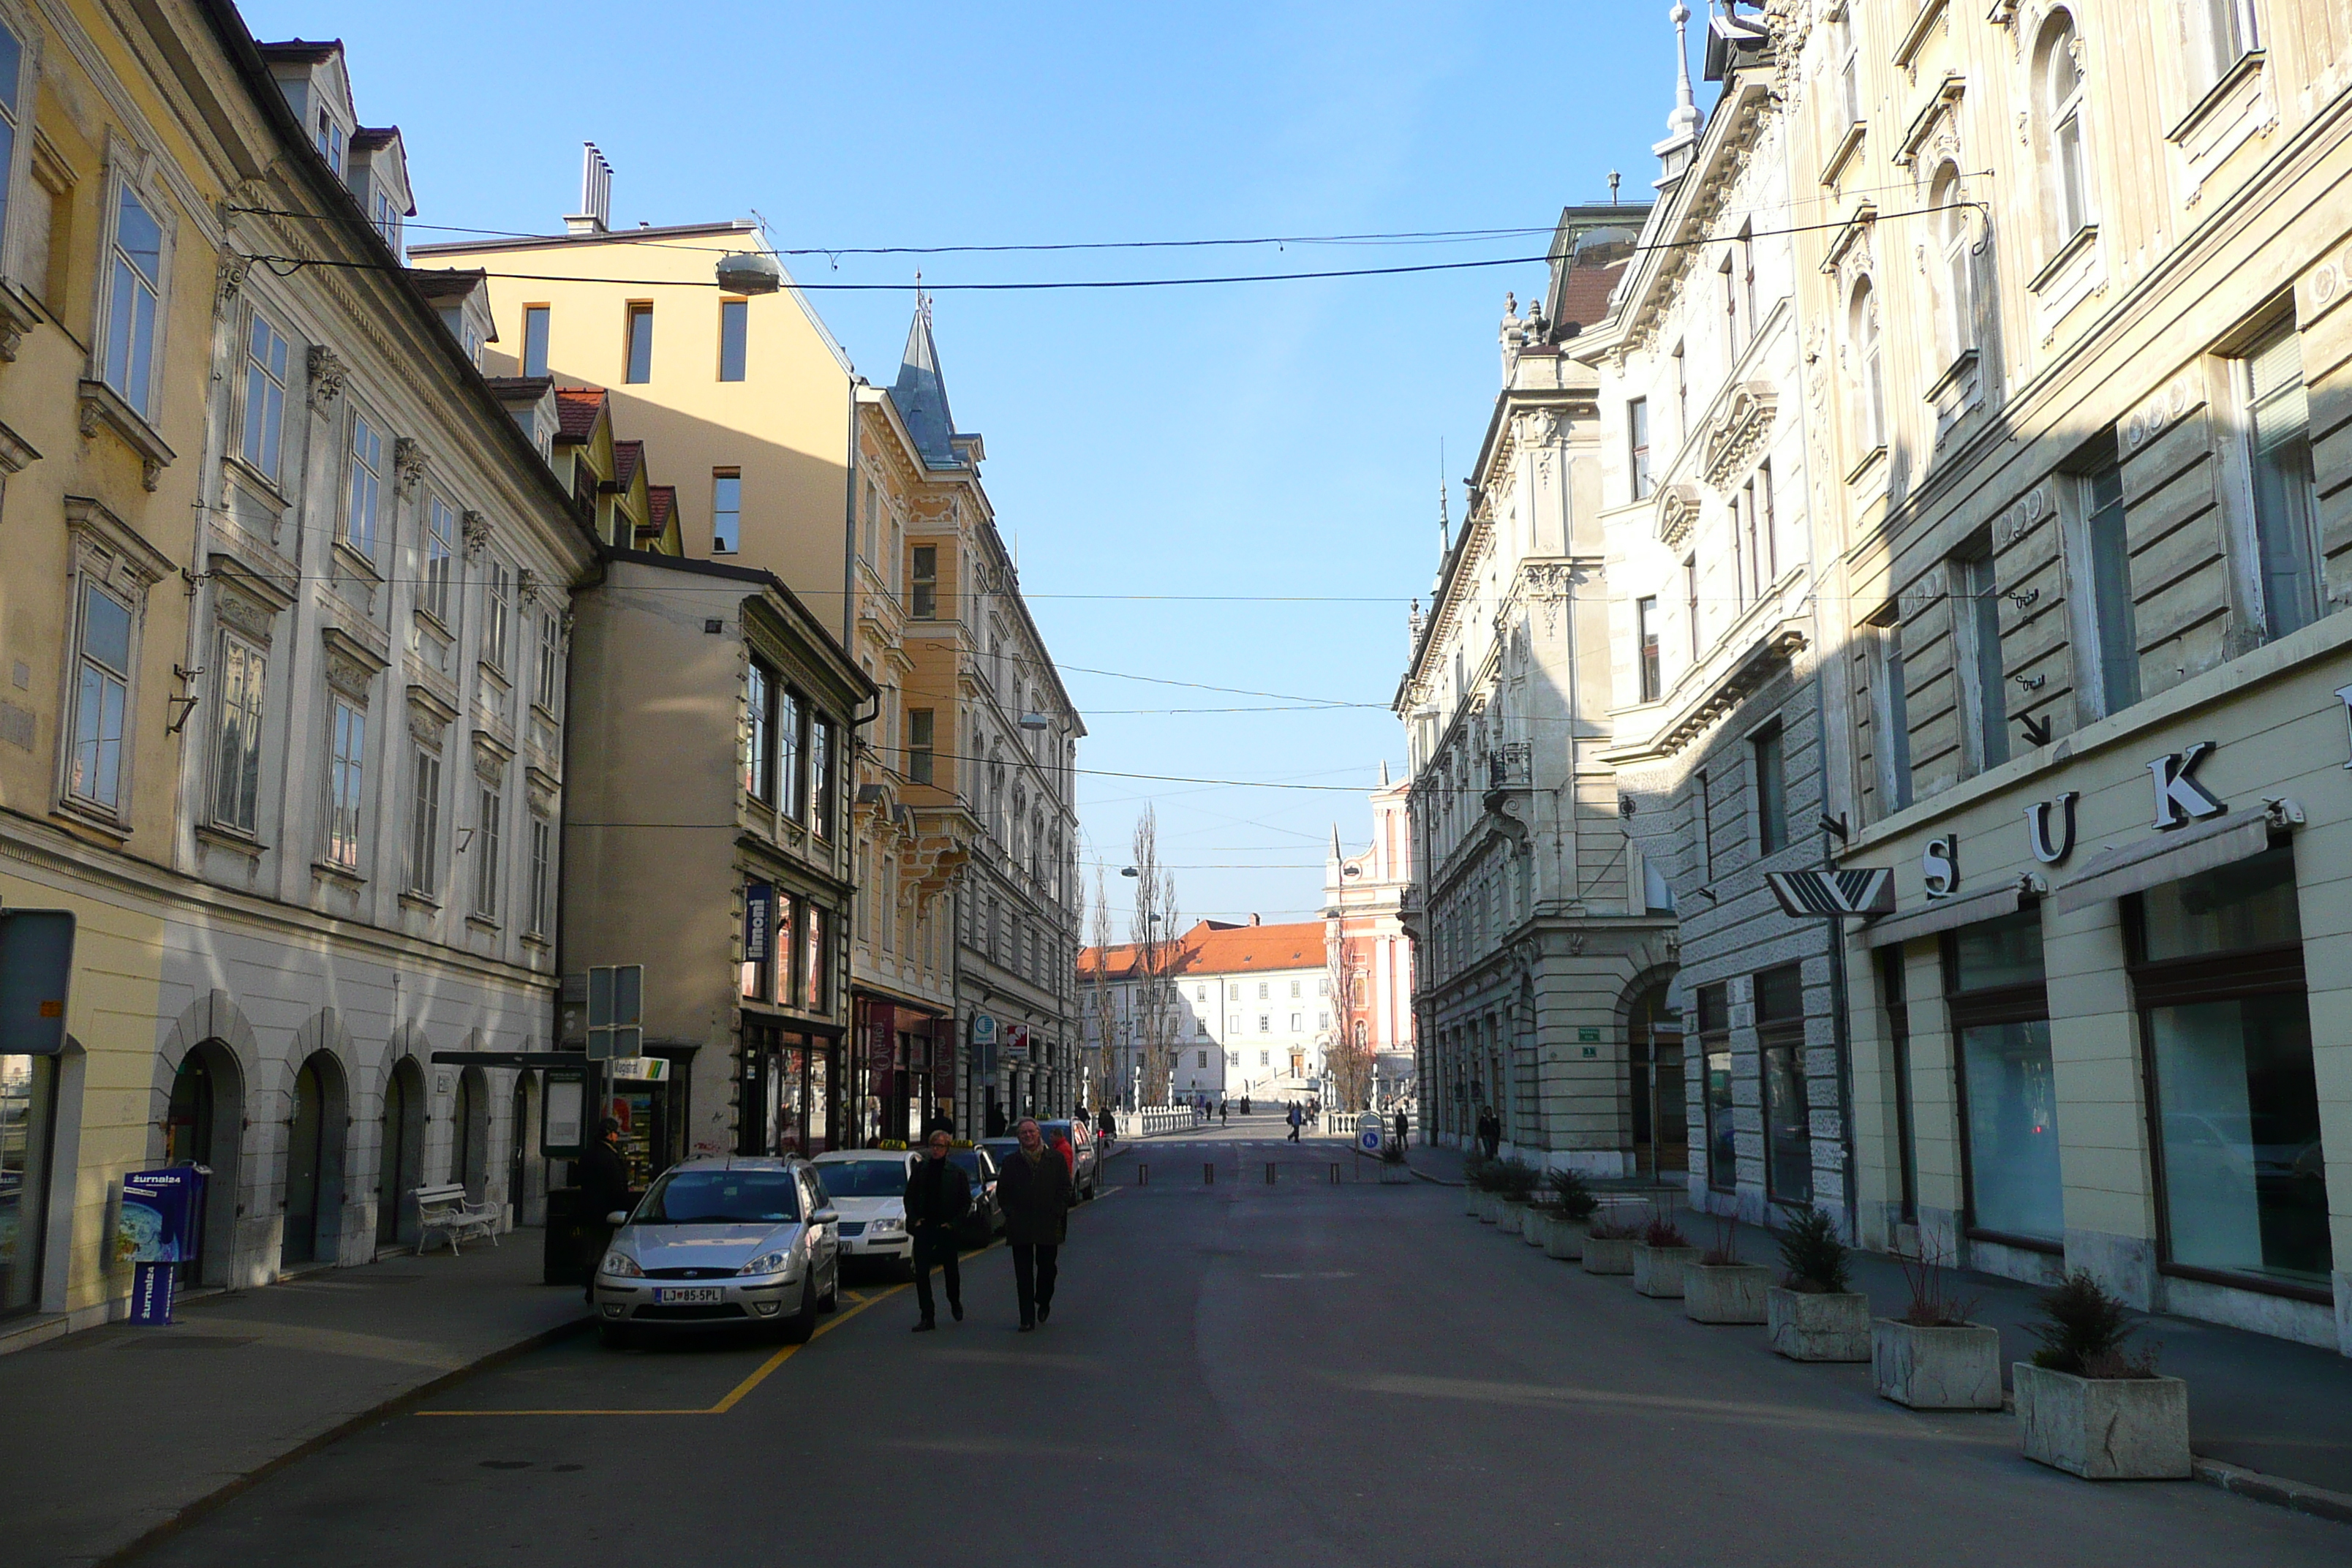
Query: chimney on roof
{"points": [[595, 214], [1254, 919]]}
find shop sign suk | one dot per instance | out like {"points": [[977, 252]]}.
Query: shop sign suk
{"points": [[2180, 799]]}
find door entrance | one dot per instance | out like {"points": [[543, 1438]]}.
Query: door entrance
{"points": [[401, 1163], [1653, 1065], [202, 1127]]}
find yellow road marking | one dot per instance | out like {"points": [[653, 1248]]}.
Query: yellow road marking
{"points": [[759, 1375]]}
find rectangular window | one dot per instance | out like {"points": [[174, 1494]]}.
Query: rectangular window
{"points": [[543, 876], [1768, 756], [1899, 1043], [265, 382], [821, 771], [1637, 439], [1978, 622], [487, 852], [137, 274], [924, 600], [367, 486], [817, 975], [1706, 824], [12, 62], [2115, 632], [1788, 1110], [2000, 1011], [1690, 604], [1891, 711], [2285, 500], [346, 776], [424, 825], [734, 336], [534, 339], [788, 790], [549, 690], [237, 747], [1767, 550], [2217, 973], [920, 764], [102, 693], [726, 511], [497, 631], [440, 556], [640, 345], [759, 760], [1715, 1050], [1265, 1024], [1645, 636]]}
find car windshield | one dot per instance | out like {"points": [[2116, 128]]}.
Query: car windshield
{"points": [[967, 1158], [707, 1197], [865, 1178], [1001, 1149]]}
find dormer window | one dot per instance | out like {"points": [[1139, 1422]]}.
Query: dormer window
{"points": [[329, 142], [387, 220]]}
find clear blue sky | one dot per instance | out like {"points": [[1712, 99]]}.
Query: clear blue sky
{"points": [[1258, 440]]}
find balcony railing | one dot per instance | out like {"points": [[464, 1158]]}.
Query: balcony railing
{"points": [[1507, 766]]}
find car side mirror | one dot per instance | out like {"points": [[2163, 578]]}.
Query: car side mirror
{"points": [[827, 1216], [617, 1217]]}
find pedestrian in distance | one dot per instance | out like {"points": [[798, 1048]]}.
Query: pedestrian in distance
{"points": [[1245, 1104], [1403, 1127], [1490, 1131], [1105, 1127], [1032, 1188], [939, 1196], [1224, 1117], [603, 1193], [1297, 1119]]}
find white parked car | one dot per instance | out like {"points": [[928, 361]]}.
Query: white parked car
{"points": [[869, 1188], [720, 1243]]}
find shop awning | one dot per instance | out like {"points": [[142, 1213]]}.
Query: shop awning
{"points": [[2168, 856], [1943, 914]]}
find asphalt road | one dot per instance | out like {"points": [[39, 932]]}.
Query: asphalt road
{"points": [[1235, 1373]]}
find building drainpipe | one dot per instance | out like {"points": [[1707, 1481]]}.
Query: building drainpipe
{"points": [[1841, 1032]]}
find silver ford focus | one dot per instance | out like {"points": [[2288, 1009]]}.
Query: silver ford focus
{"points": [[720, 1243]]}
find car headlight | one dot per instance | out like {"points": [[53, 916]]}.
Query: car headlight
{"points": [[772, 1263], [622, 1265], [885, 1226]]}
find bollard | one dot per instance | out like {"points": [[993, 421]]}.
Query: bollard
{"points": [[1208, 1173], [1335, 1175], [1269, 1172], [1143, 1175]]}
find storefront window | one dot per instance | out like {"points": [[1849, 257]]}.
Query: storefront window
{"points": [[2000, 1013], [1788, 1112], [24, 1136], [1714, 1043], [2228, 1033]]}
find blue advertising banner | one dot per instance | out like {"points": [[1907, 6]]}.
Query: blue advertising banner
{"points": [[156, 1232], [759, 921]]}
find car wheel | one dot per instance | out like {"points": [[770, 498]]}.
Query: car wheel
{"points": [[803, 1322], [616, 1336], [831, 1300]]}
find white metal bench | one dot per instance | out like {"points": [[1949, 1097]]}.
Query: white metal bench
{"points": [[444, 1210]]}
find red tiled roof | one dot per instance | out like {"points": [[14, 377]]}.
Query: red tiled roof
{"points": [[1584, 293], [661, 502], [626, 456], [1215, 947], [578, 407]]}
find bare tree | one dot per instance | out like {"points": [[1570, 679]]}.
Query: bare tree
{"points": [[1101, 1070], [1157, 936], [1347, 1058]]}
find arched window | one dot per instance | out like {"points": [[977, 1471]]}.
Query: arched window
{"points": [[1869, 367], [1957, 280], [2060, 78]]}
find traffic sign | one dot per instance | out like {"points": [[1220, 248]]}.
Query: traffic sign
{"points": [[617, 995], [1834, 894], [1368, 1132], [36, 948]]}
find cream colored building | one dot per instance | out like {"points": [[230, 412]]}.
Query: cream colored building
{"points": [[281, 610], [2079, 388]]}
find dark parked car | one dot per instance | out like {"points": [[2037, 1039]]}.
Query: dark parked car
{"points": [[986, 1217]]}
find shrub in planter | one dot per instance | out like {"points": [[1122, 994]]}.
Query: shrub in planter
{"points": [[2088, 1405], [1811, 1315], [1659, 1259], [1514, 1187], [1572, 1195], [1609, 1245], [1720, 1289], [1394, 1169], [1932, 1357]]}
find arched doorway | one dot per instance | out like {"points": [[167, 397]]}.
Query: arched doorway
{"points": [[469, 1156], [400, 1167], [314, 1165], [204, 1126], [1654, 1066]]}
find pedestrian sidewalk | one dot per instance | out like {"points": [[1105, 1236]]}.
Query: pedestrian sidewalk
{"points": [[2257, 1403], [116, 1433]]}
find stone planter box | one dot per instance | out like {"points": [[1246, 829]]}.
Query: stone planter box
{"points": [[2103, 1429], [1605, 1256], [1510, 1217], [1658, 1270], [1935, 1369], [1532, 1224], [1808, 1327], [1490, 1207], [1725, 1293], [1473, 1201], [1563, 1237]]}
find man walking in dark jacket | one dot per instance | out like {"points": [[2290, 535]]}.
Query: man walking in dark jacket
{"points": [[938, 1196], [604, 1192], [1033, 1189]]}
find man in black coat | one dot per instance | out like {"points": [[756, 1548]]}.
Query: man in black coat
{"points": [[603, 1190], [939, 1196], [1032, 1188]]}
